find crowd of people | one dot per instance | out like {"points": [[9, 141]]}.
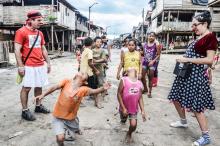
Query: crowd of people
{"points": [[137, 74]]}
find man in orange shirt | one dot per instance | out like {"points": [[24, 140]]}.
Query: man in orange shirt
{"points": [[68, 103]]}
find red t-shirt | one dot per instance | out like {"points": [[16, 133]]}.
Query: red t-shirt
{"points": [[26, 38]]}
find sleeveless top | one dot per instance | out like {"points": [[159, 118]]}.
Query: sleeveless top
{"points": [[131, 94], [132, 59], [149, 53]]}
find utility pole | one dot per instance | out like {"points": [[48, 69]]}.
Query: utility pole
{"points": [[90, 14], [142, 29], [52, 27], [106, 29]]}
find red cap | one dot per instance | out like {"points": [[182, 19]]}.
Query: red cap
{"points": [[33, 14]]}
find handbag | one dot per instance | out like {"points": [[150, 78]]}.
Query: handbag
{"points": [[19, 78], [183, 69]]}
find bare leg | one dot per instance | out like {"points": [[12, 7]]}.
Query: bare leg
{"points": [[144, 79], [97, 104], [150, 83], [180, 110], [24, 97], [202, 120], [132, 128], [37, 92], [60, 139]]}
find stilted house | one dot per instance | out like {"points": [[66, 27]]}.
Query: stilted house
{"points": [[172, 20], [59, 18]]}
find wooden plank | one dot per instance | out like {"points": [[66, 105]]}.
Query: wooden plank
{"points": [[63, 41], [57, 41]]}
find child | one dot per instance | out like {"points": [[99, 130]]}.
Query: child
{"points": [[72, 92], [99, 59], [131, 58], [78, 57], [151, 55], [87, 66], [129, 96]]}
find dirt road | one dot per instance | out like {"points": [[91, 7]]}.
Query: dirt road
{"points": [[101, 127]]}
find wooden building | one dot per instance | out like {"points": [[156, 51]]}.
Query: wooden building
{"points": [[214, 6], [172, 20], [59, 18]]}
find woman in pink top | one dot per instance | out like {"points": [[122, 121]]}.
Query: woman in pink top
{"points": [[129, 97]]}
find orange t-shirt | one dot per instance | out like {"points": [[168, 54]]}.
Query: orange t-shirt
{"points": [[69, 100], [26, 38]]}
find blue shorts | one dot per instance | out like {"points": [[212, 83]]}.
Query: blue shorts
{"points": [[145, 67]]}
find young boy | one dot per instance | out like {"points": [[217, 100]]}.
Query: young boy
{"points": [[68, 102], [129, 96], [99, 59], [87, 66]]}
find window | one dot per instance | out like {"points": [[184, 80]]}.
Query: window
{"points": [[159, 20], [166, 16], [185, 17]]}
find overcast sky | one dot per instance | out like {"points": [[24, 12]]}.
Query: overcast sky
{"points": [[120, 15]]}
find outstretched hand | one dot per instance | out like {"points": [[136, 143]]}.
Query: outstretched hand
{"points": [[107, 85], [38, 98]]}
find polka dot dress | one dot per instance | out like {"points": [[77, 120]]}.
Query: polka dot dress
{"points": [[193, 93]]}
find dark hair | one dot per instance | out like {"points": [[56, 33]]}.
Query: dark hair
{"points": [[133, 40], [97, 38], [204, 17], [152, 32], [103, 37], [88, 42]]}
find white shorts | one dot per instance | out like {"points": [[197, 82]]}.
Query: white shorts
{"points": [[35, 76]]}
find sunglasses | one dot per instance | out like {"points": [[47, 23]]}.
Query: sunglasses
{"points": [[197, 24]]}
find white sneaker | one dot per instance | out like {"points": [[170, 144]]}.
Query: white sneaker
{"points": [[178, 124]]}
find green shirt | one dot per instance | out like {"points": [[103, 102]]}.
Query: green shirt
{"points": [[97, 55]]}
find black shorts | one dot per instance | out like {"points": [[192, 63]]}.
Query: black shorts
{"points": [[93, 82]]}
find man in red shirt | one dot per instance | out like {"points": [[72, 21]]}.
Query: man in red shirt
{"points": [[34, 70]]}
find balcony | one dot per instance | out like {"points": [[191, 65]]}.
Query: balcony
{"points": [[215, 25], [177, 26], [81, 27]]}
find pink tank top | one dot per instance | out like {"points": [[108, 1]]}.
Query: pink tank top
{"points": [[132, 92]]}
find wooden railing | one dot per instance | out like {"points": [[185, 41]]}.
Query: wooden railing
{"points": [[177, 26]]}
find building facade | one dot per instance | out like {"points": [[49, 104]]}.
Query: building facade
{"points": [[172, 20]]}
